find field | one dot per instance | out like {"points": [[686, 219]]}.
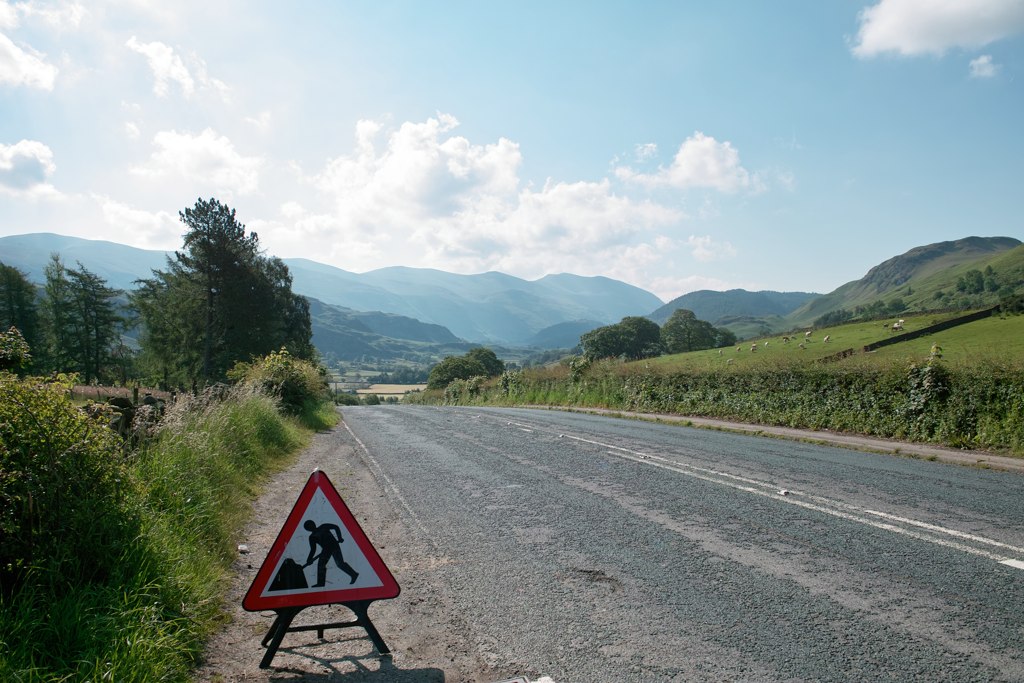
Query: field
{"points": [[992, 340]]}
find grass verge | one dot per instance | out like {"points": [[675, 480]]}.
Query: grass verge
{"points": [[166, 552]]}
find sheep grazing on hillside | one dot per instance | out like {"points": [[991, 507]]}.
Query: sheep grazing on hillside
{"points": [[807, 334], [785, 340], [897, 326], [802, 347], [827, 337], [753, 347], [729, 362], [766, 343], [719, 352]]}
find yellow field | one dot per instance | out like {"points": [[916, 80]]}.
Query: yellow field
{"points": [[384, 390]]}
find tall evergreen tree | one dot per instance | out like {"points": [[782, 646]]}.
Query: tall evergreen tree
{"points": [[95, 317], [80, 319], [220, 301], [58, 324], [18, 306]]}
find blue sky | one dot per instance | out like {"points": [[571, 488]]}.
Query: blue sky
{"points": [[673, 145]]}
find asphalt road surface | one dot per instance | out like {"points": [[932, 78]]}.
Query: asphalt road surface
{"points": [[593, 549]]}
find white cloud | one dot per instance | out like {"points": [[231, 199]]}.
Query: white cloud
{"points": [[707, 249], [916, 27], [983, 67], [168, 67], [701, 162], [421, 173], [208, 159], [8, 16], [260, 122], [645, 151], [25, 169], [132, 130], [61, 16], [424, 196], [143, 229], [18, 67]]}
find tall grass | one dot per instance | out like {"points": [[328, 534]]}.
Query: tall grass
{"points": [[185, 494]]}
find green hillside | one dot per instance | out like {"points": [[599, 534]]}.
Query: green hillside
{"points": [[924, 279]]}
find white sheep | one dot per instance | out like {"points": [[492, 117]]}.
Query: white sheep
{"points": [[827, 337]]}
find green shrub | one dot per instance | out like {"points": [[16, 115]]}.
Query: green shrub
{"points": [[62, 512], [294, 381]]}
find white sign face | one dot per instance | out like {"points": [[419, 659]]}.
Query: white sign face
{"points": [[326, 563]]}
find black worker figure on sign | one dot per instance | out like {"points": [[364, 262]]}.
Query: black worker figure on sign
{"points": [[328, 537]]}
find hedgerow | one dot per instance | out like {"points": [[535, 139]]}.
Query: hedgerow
{"points": [[978, 406]]}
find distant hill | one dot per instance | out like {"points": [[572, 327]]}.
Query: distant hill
{"points": [[563, 335], [492, 308], [353, 335], [488, 308], [718, 307], [118, 264]]}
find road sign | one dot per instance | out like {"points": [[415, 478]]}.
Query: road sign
{"points": [[321, 557]]}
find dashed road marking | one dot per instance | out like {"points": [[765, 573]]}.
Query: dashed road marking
{"points": [[879, 520]]}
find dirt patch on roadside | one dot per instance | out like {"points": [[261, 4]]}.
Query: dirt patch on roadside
{"points": [[429, 642]]}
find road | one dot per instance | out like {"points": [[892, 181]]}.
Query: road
{"points": [[588, 548]]}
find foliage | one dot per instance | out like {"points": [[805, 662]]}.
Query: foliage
{"points": [[219, 302], [14, 350], [452, 368], [81, 322], [493, 366], [633, 337], [61, 487], [683, 332], [343, 398], [18, 307], [294, 381]]}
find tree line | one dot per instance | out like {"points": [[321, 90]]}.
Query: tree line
{"points": [[635, 337], [219, 301]]}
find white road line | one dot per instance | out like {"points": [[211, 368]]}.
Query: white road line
{"points": [[825, 505], [388, 483]]}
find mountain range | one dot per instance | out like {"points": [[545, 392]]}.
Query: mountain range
{"points": [[421, 314]]}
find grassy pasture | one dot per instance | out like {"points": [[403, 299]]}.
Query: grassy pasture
{"points": [[992, 340]]}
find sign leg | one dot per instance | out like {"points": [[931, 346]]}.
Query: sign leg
{"points": [[363, 619], [276, 634]]}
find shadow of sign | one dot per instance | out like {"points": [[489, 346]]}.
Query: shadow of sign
{"points": [[351, 669]]}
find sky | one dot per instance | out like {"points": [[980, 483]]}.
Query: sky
{"points": [[676, 145]]}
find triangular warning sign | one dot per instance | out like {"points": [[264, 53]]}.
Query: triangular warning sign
{"points": [[320, 557]]}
